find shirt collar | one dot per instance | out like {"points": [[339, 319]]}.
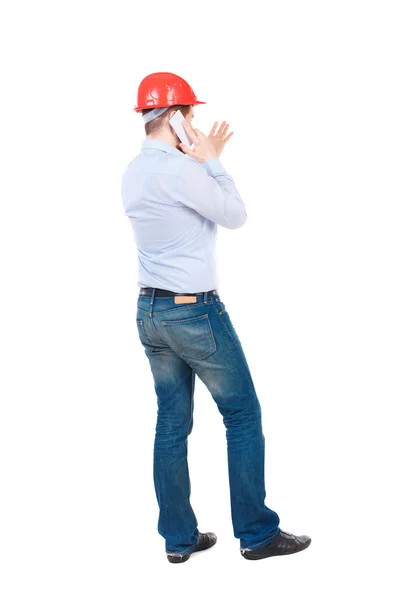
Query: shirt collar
{"points": [[160, 145]]}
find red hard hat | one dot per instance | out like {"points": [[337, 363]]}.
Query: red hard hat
{"points": [[164, 89]]}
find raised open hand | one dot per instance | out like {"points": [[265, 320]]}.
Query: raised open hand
{"points": [[219, 139], [206, 147], [203, 147]]}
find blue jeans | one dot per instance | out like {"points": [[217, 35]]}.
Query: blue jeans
{"points": [[181, 341]]}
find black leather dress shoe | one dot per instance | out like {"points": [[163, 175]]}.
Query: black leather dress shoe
{"points": [[285, 543], [206, 540]]}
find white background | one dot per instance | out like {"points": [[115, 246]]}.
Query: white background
{"points": [[311, 283]]}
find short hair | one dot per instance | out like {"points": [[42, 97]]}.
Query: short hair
{"points": [[156, 124]]}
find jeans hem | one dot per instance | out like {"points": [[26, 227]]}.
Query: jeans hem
{"points": [[269, 540], [183, 553]]}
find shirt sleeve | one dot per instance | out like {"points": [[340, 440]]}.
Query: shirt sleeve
{"points": [[209, 190]]}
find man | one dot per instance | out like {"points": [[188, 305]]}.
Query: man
{"points": [[174, 198]]}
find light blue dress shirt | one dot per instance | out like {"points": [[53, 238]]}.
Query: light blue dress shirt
{"points": [[174, 204]]}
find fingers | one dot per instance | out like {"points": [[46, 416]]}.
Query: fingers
{"points": [[213, 128], [223, 132], [222, 129], [199, 133], [226, 127], [190, 131], [228, 137], [187, 150], [194, 133]]}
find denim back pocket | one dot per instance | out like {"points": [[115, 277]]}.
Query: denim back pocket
{"points": [[193, 338]]}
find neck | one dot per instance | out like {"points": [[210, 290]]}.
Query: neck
{"points": [[168, 138]]}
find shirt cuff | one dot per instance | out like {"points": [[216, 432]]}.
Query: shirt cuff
{"points": [[214, 167]]}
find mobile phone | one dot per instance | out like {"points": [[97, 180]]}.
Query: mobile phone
{"points": [[176, 124]]}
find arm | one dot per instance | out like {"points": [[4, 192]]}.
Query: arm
{"points": [[209, 190]]}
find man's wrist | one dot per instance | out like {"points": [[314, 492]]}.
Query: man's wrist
{"points": [[214, 166]]}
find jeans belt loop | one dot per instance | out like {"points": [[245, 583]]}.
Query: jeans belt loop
{"points": [[205, 297], [152, 301]]}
